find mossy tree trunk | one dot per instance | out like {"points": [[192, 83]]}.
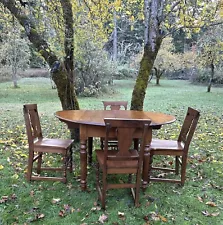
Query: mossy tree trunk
{"points": [[150, 52], [62, 71]]}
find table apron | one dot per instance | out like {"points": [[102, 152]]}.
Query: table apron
{"points": [[98, 131]]}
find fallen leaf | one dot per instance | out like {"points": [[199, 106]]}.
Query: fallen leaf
{"points": [[15, 176], [96, 208], [163, 218], [67, 207], [206, 213], [154, 216], [13, 196], [103, 218], [1, 167], [200, 199], [56, 200], [212, 204], [4, 199], [62, 213], [146, 218], [215, 214], [121, 214], [40, 216], [31, 193]]}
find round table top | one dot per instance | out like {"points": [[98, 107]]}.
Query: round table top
{"points": [[96, 117]]}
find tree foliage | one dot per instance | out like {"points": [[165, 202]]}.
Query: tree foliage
{"points": [[166, 17], [210, 47]]}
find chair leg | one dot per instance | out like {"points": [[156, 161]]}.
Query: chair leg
{"points": [[137, 189], [98, 182], [104, 189], [177, 165], [183, 169], [150, 167], [70, 159], [39, 162], [64, 168], [30, 165]]}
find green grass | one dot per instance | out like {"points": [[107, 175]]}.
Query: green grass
{"points": [[22, 202]]}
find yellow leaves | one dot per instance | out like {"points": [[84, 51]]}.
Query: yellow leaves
{"points": [[158, 217], [2, 142], [117, 5], [1, 167], [155, 217], [15, 176], [221, 8]]}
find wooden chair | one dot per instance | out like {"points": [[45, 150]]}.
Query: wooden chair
{"points": [[39, 145], [124, 160], [178, 148], [113, 105]]}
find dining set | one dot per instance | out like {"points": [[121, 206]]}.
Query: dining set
{"points": [[127, 146]]}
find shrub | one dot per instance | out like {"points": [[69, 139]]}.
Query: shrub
{"points": [[203, 77], [5, 74], [93, 70], [124, 71]]}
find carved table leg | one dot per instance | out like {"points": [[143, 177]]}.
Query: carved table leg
{"points": [[145, 167], [83, 158], [90, 148]]}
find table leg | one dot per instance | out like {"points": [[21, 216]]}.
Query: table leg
{"points": [[145, 168], [90, 148], [146, 161], [83, 158]]}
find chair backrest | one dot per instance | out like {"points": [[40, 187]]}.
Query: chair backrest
{"points": [[188, 127], [32, 121], [115, 105], [124, 130]]}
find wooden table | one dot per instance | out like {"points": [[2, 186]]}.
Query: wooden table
{"points": [[91, 124]]}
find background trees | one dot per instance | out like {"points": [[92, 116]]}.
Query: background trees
{"points": [[210, 49], [166, 17], [77, 39]]}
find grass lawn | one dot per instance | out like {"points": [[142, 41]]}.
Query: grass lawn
{"points": [[200, 201]]}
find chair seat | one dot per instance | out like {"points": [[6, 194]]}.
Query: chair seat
{"points": [[119, 163], [158, 144], [54, 143]]}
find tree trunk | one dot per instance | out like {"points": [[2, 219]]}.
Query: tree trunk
{"points": [[211, 78], [150, 52], [63, 72], [14, 76], [115, 47], [146, 21]]}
